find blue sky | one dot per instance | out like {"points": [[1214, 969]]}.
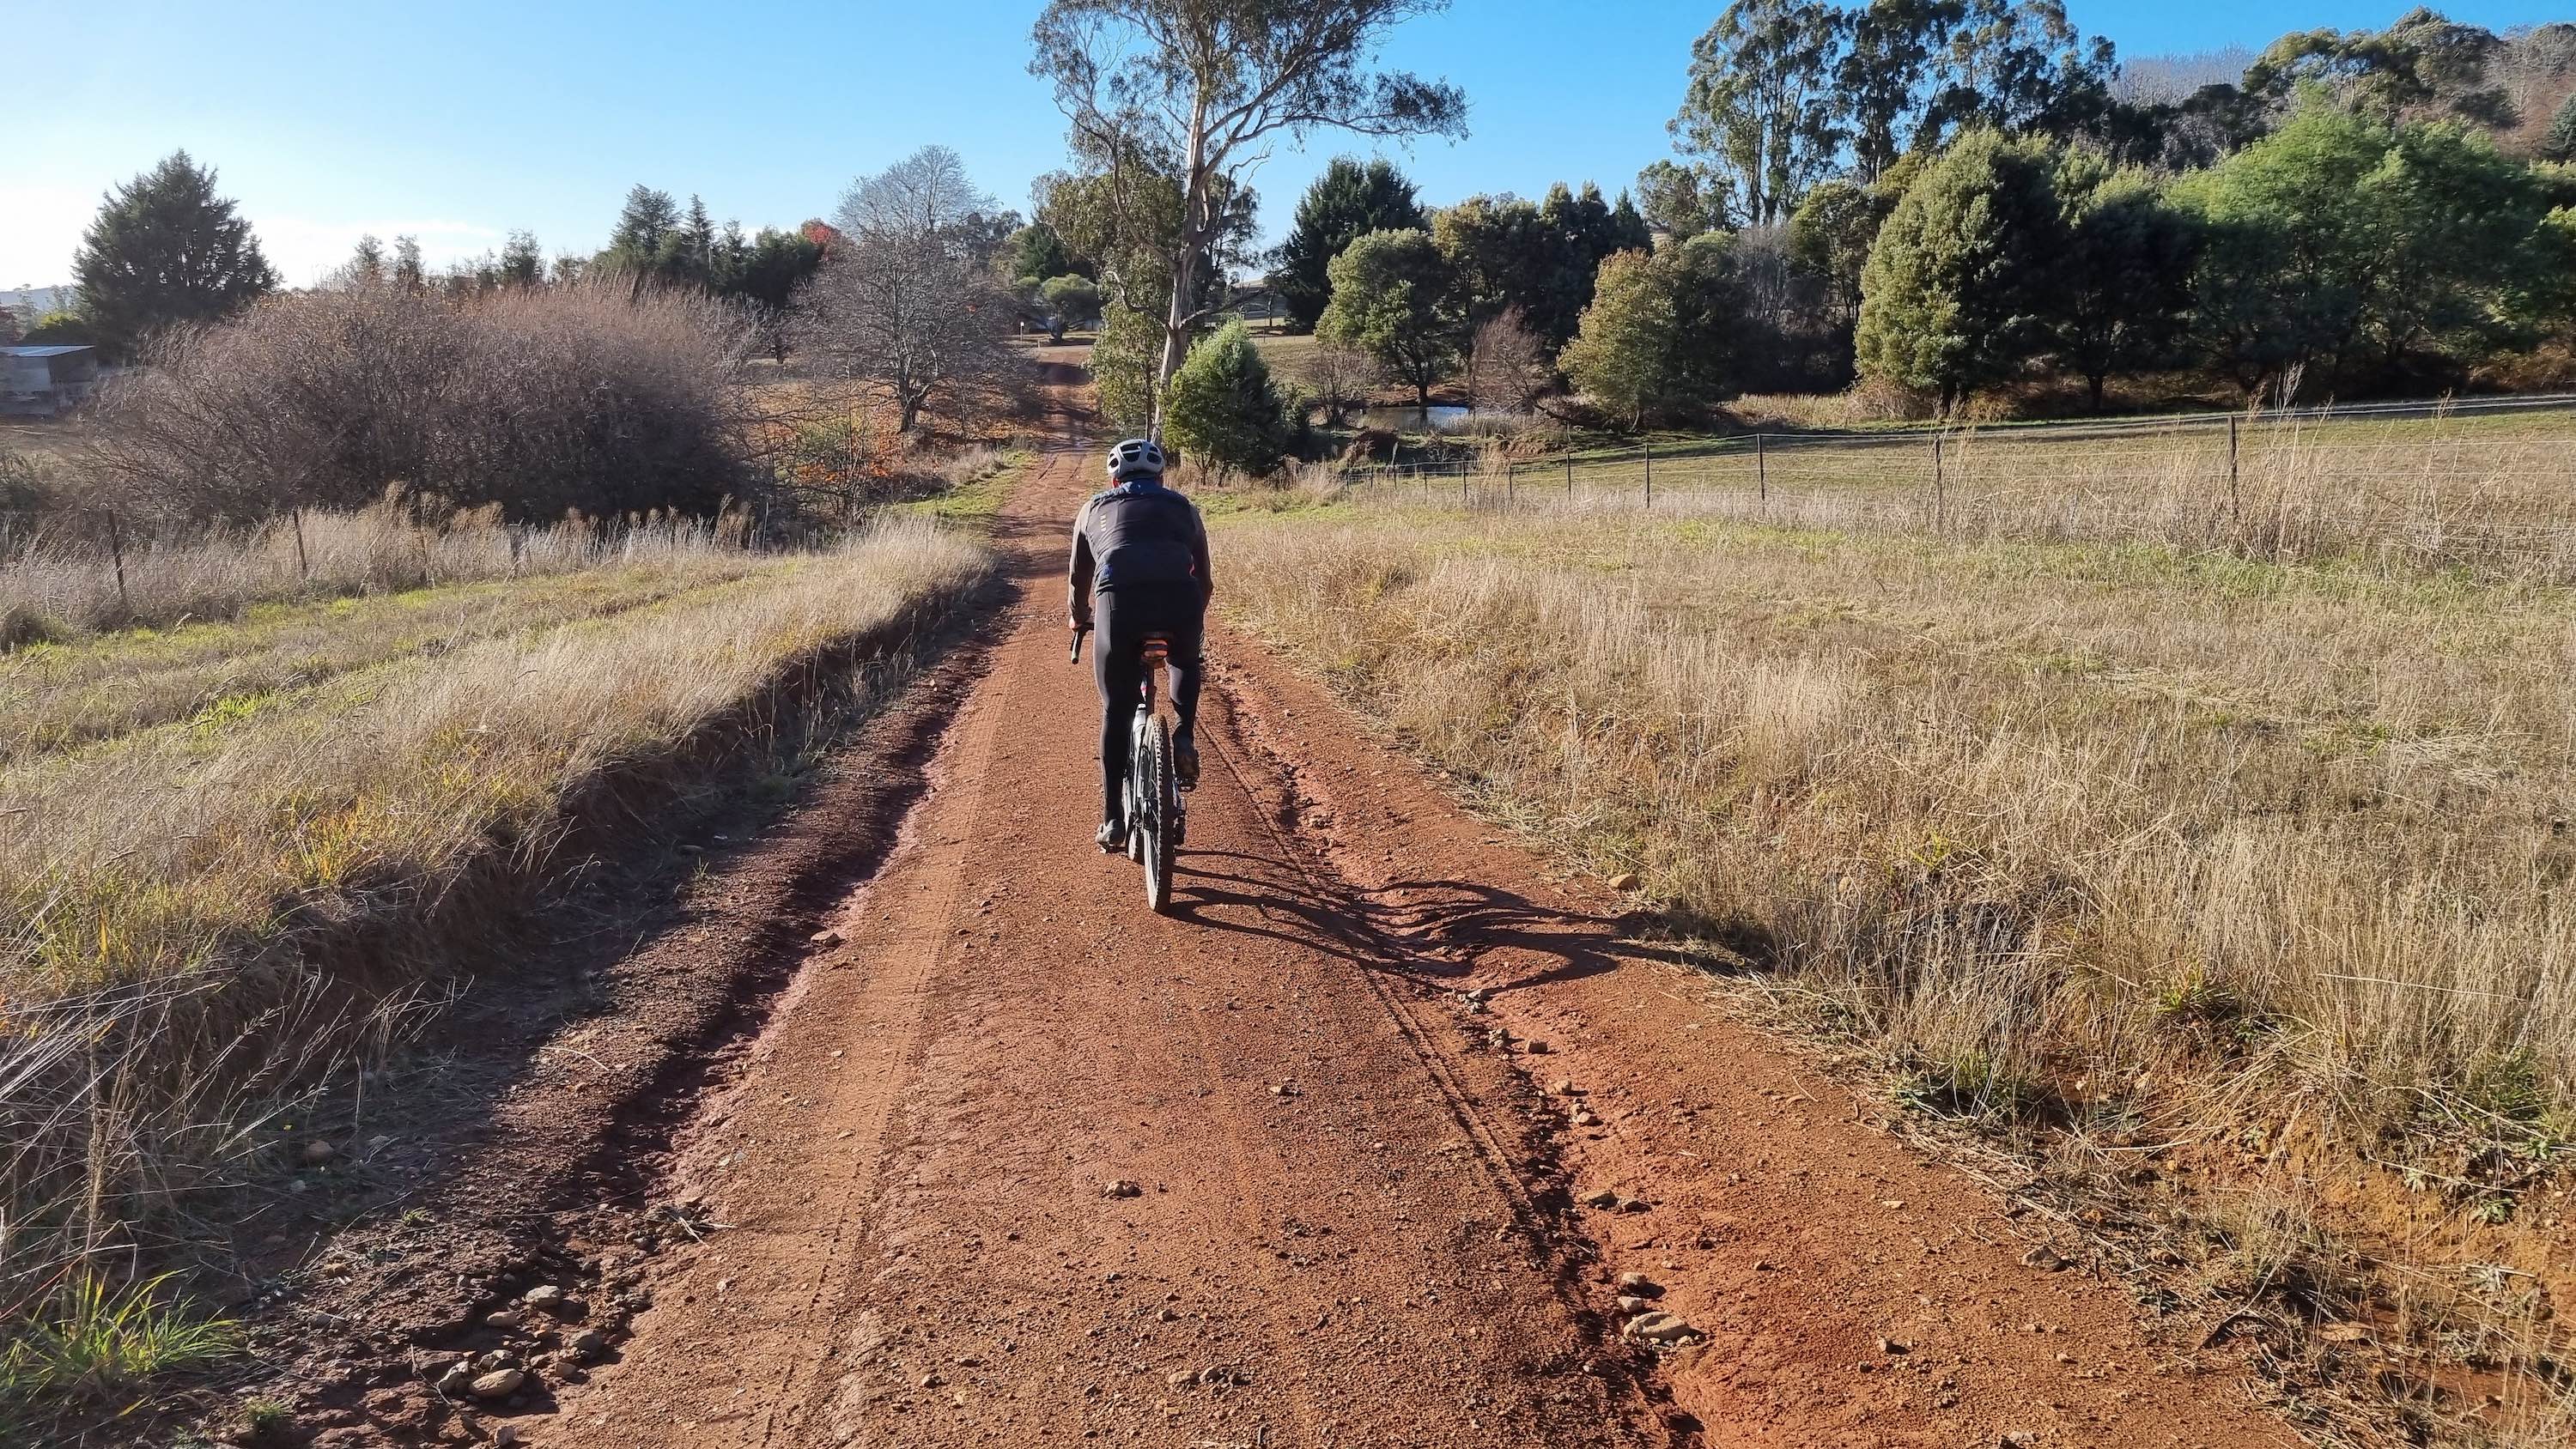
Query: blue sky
{"points": [[460, 120]]}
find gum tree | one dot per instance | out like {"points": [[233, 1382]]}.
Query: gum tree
{"points": [[1195, 92]]}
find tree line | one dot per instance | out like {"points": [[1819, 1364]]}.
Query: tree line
{"points": [[167, 250], [1944, 198]]}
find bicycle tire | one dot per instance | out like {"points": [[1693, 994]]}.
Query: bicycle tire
{"points": [[1136, 794], [1158, 807]]}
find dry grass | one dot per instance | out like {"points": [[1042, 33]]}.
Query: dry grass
{"points": [[71, 694], [2242, 854], [59, 576], [2492, 495], [204, 917]]}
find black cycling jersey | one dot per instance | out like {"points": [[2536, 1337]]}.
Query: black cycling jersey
{"points": [[1139, 533]]}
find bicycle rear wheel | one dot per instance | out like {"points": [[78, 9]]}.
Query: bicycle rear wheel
{"points": [[1139, 808], [1162, 806]]}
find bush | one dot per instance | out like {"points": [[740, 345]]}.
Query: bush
{"points": [[59, 329], [1224, 406], [540, 402]]}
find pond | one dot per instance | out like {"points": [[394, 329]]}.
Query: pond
{"points": [[1413, 420]]}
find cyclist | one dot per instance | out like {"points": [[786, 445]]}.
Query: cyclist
{"points": [[1140, 551]]}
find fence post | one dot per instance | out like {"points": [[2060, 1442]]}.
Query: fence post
{"points": [[1511, 486], [1569, 477], [1463, 500], [1939, 498], [1647, 451], [304, 568], [2235, 507], [116, 551], [1761, 472]]}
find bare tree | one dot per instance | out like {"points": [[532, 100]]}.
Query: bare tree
{"points": [[1507, 367], [908, 305], [1190, 92], [1340, 377]]}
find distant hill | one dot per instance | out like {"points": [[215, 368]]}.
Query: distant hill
{"points": [[2147, 79], [31, 303]]}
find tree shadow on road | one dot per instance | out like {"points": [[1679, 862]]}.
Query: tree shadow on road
{"points": [[1434, 931]]}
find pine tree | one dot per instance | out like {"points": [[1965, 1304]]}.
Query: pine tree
{"points": [[166, 251], [1349, 200], [643, 225], [2559, 143]]}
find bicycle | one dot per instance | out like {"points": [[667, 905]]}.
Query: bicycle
{"points": [[1156, 820]]}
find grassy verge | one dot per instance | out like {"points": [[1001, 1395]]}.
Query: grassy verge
{"points": [[71, 694], [65, 576], [2243, 876], [202, 922], [977, 483]]}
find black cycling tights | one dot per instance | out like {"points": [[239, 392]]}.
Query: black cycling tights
{"points": [[1124, 617]]}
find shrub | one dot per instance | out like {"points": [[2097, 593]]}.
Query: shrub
{"points": [[540, 402], [1224, 406], [59, 329]]}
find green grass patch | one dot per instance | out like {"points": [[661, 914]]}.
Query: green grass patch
{"points": [[94, 1345]]}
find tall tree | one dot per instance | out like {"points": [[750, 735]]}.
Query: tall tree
{"points": [[522, 263], [409, 272], [1879, 78], [1035, 254], [1958, 286], [1349, 200], [1659, 337], [2424, 66], [774, 266], [2016, 66], [1580, 230], [910, 306], [1392, 299], [166, 251], [1499, 253], [366, 265], [648, 220], [2410, 249], [2124, 297], [1830, 237], [1761, 104], [1191, 90], [1683, 200]]}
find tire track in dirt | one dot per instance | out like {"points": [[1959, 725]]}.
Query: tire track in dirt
{"points": [[1306, 1258]]}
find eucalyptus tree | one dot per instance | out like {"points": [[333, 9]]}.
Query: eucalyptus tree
{"points": [[1189, 94], [1762, 107]]}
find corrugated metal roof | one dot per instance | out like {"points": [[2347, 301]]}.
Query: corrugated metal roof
{"points": [[40, 351]]}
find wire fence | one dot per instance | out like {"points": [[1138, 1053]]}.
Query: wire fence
{"points": [[84, 569], [2403, 483]]}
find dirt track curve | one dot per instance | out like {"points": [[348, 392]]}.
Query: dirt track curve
{"points": [[1358, 1220]]}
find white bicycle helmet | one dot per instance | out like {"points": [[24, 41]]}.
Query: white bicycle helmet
{"points": [[1135, 456]]}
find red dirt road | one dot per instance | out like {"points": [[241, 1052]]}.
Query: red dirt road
{"points": [[1360, 1220]]}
